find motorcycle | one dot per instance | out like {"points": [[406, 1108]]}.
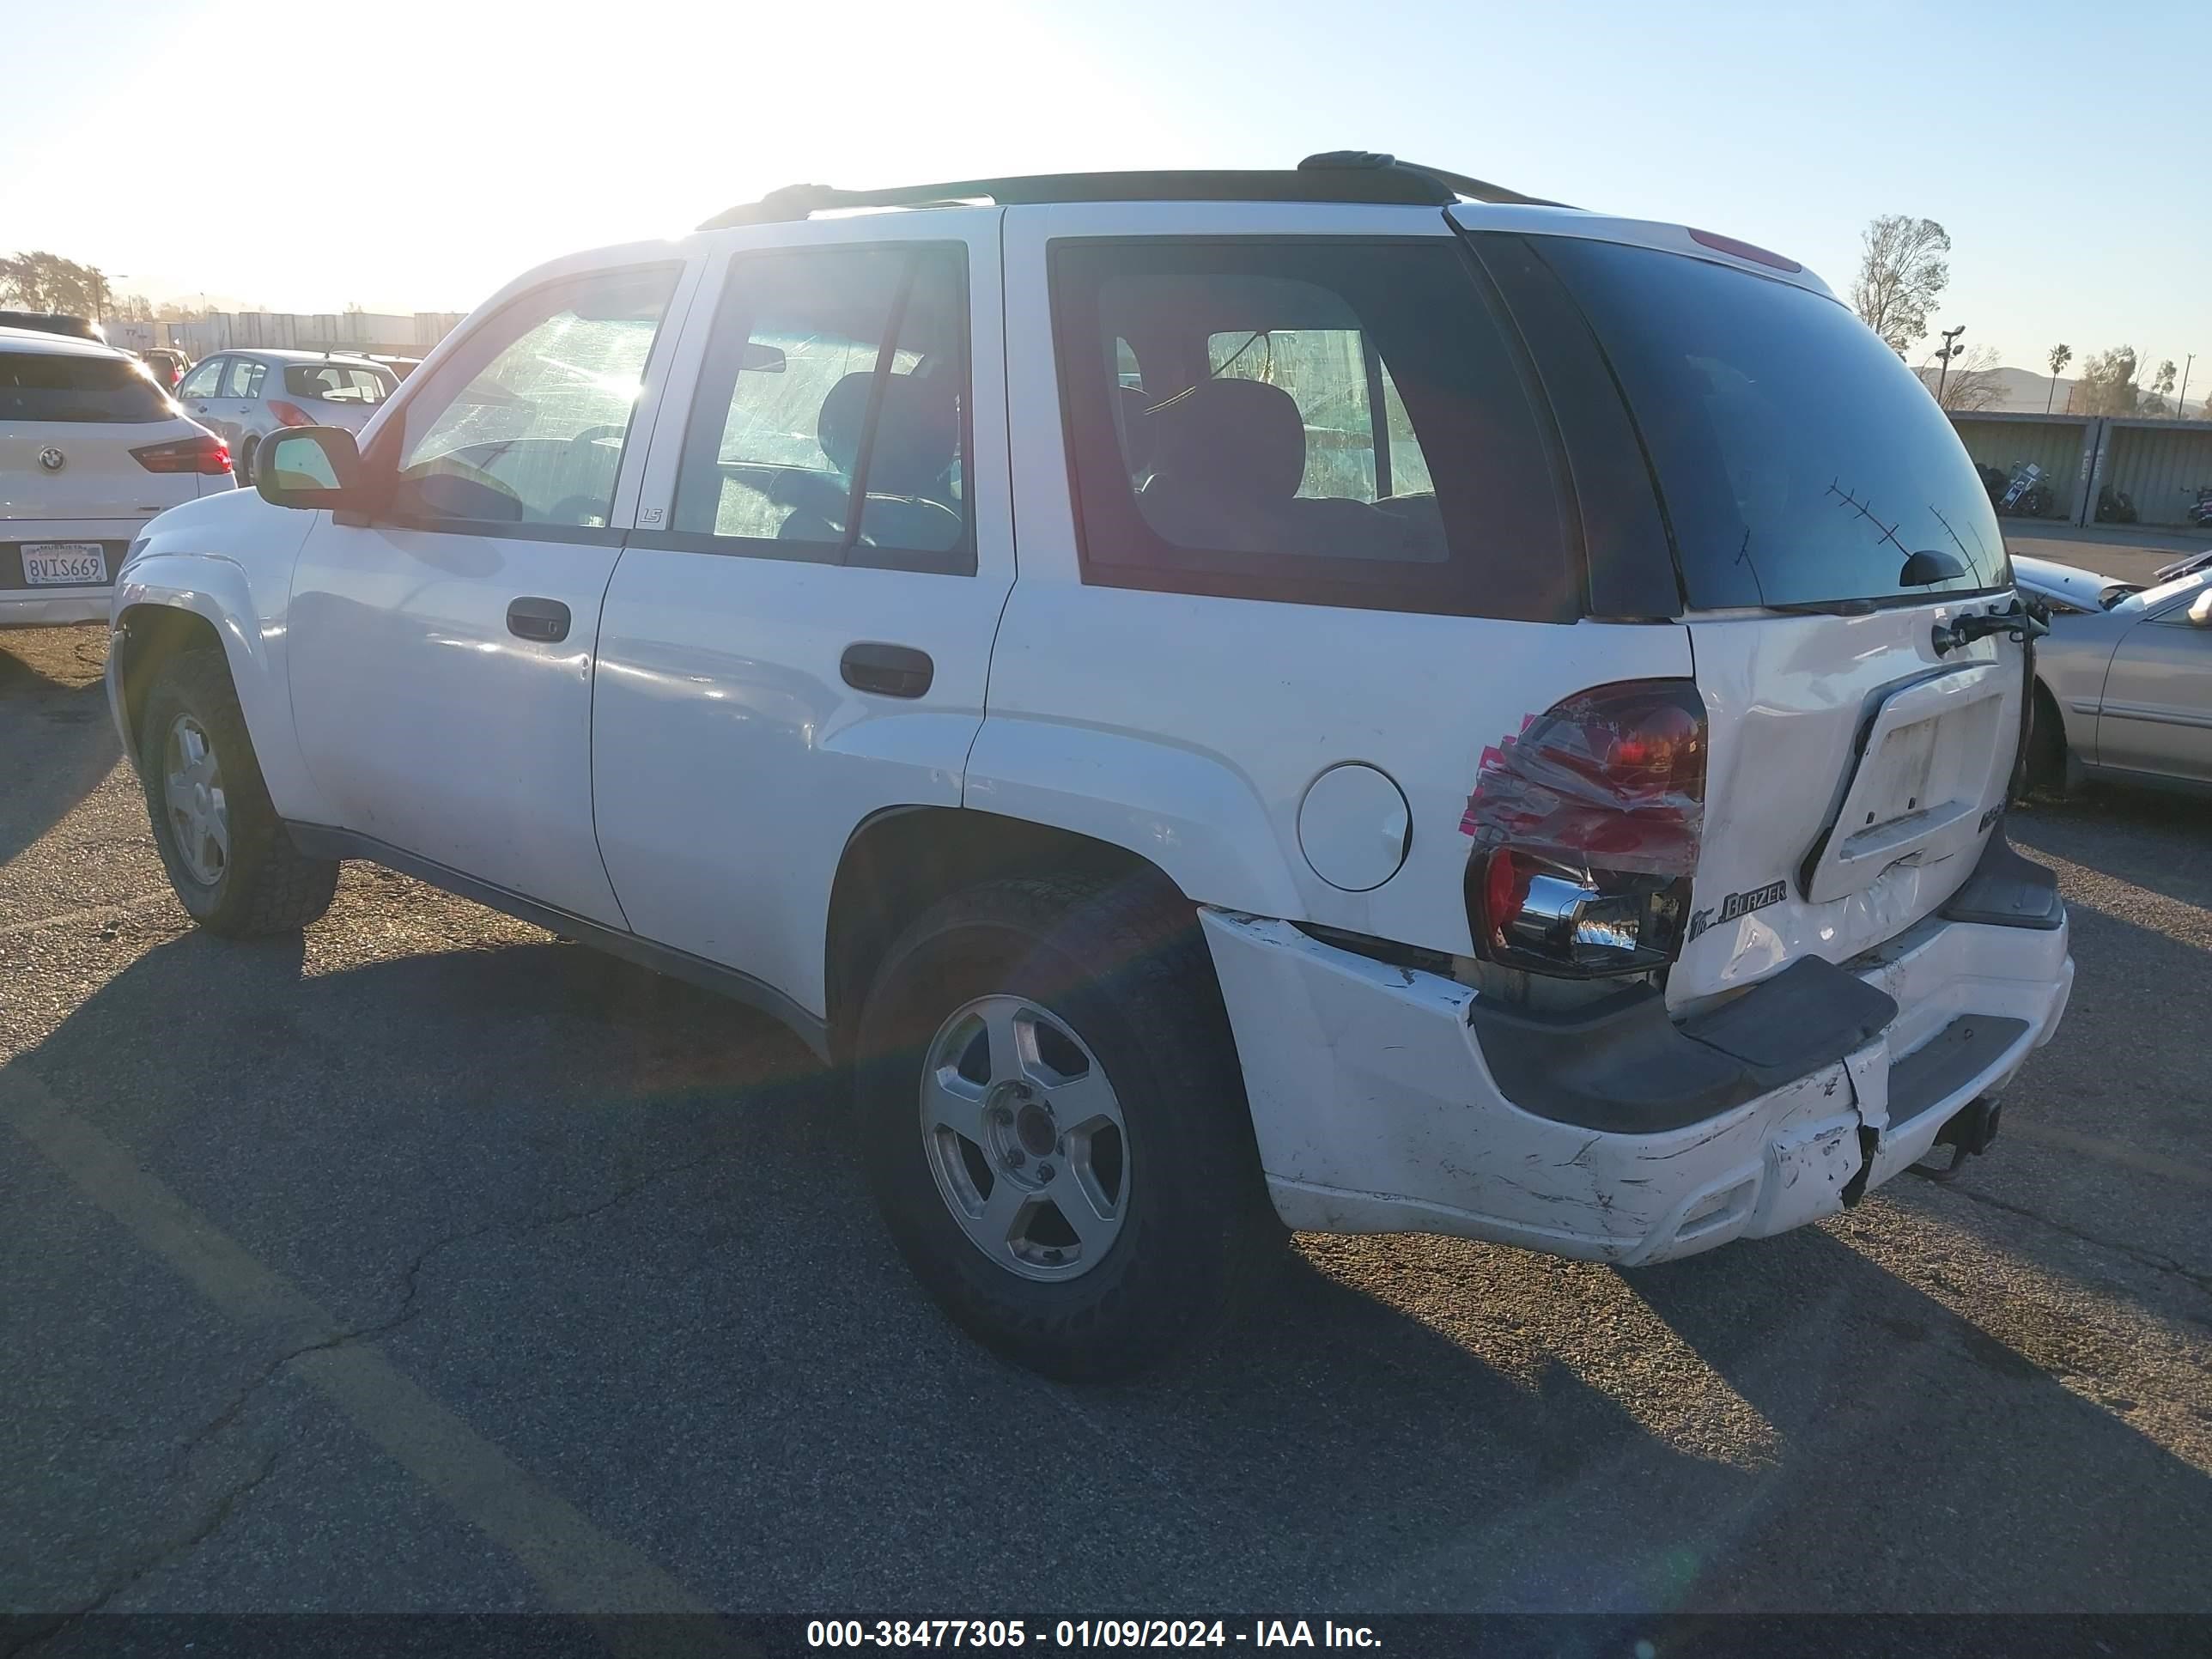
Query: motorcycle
{"points": [[2200, 512], [2026, 496], [2115, 506]]}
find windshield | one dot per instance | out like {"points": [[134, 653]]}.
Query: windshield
{"points": [[1799, 461]]}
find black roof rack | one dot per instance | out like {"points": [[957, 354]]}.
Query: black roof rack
{"points": [[1341, 175]]}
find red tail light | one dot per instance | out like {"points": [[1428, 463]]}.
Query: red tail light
{"points": [[208, 456], [1587, 827], [290, 414]]}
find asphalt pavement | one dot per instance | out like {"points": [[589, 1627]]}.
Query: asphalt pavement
{"points": [[430, 1263]]}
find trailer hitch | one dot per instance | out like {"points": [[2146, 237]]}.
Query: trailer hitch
{"points": [[1972, 1129]]}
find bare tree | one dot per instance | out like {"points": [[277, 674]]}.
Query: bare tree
{"points": [[1902, 274], [2106, 384], [2061, 354], [1973, 384]]}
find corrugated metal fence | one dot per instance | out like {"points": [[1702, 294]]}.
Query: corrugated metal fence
{"points": [[2158, 464]]}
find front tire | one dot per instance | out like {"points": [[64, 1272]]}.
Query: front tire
{"points": [[1052, 1119], [2051, 769], [233, 866]]}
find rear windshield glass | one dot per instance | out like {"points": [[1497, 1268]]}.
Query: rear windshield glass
{"points": [[49, 386], [1798, 459], [335, 383]]}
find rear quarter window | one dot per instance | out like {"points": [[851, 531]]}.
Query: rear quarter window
{"points": [[1327, 420], [1798, 459], [51, 386]]}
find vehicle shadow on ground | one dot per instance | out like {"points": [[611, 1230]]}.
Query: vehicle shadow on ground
{"points": [[620, 1230], [61, 703]]}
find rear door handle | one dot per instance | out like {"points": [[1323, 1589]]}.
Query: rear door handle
{"points": [[544, 620], [889, 671]]}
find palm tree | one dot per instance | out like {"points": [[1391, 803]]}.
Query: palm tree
{"points": [[2060, 356]]}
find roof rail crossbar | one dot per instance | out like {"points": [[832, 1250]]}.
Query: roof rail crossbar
{"points": [[1334, 176]]}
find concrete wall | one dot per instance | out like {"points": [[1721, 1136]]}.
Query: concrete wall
{"points": [[2160, 464]]}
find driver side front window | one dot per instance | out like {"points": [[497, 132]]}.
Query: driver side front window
{"points": [[527, 422]]}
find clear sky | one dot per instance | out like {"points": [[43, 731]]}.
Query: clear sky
{"points": [[415, 154]]}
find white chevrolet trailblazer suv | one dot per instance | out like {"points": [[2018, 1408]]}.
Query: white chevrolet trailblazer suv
{"points": [[1346, 697]]}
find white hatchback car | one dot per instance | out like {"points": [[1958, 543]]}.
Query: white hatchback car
{"points": [[90, 448], [244, 395], [1343, 697]]}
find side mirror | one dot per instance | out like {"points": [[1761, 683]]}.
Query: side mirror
{"points": [[310, 467], [2200, 609]]}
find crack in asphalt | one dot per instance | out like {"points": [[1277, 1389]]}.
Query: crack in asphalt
{"points": [[224, 1507], [2152, 1259], [410, 1284]]}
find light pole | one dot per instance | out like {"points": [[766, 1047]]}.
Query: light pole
{"points": [[1951, 349], [2181, 403]]}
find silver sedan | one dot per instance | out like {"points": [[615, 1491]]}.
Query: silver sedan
{"points": [[2124, 682]]}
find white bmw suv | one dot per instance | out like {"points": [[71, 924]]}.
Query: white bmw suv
{"points": [[91, 447], [1345, 697]]}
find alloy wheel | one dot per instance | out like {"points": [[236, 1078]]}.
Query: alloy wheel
{"points": [[193, 795], [1025, 1137]]}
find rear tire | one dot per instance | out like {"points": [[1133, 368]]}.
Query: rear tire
{"points": [[1036, 1007], [242, 467], [228, 856]]}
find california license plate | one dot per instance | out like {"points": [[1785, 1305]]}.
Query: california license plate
{"points": [[65, 564]]}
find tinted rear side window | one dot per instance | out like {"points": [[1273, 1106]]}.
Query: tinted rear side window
{"points": [[1798, 459], [1325, 420], [43, 386]]}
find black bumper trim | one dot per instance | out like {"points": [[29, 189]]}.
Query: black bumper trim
{"points": [[1622, 1067], [1948, 1062], [2008, 890]]}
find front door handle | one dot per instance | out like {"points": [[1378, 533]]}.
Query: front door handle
{"points": [[889, 671], [545, 621]]}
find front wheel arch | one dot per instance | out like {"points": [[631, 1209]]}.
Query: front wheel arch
{"points": [[2051, 762], [148, 635]]}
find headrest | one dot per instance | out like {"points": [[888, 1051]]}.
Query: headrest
{"points": [[1240, 439], [917, 435], [917, 432], [844, 413]]}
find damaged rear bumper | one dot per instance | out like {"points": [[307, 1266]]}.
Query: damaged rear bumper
{"points": [[1377, 1109]]}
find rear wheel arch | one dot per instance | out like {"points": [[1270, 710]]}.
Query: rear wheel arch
{"points": [[901, 860]]}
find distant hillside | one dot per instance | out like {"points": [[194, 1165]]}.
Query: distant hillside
{"points": [[2024, 392]]}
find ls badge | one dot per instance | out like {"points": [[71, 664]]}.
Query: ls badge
{"points": [[1739, 904]]}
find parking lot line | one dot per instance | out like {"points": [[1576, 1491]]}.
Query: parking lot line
{"points": [[2114, 1152], [581, 1569]]}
